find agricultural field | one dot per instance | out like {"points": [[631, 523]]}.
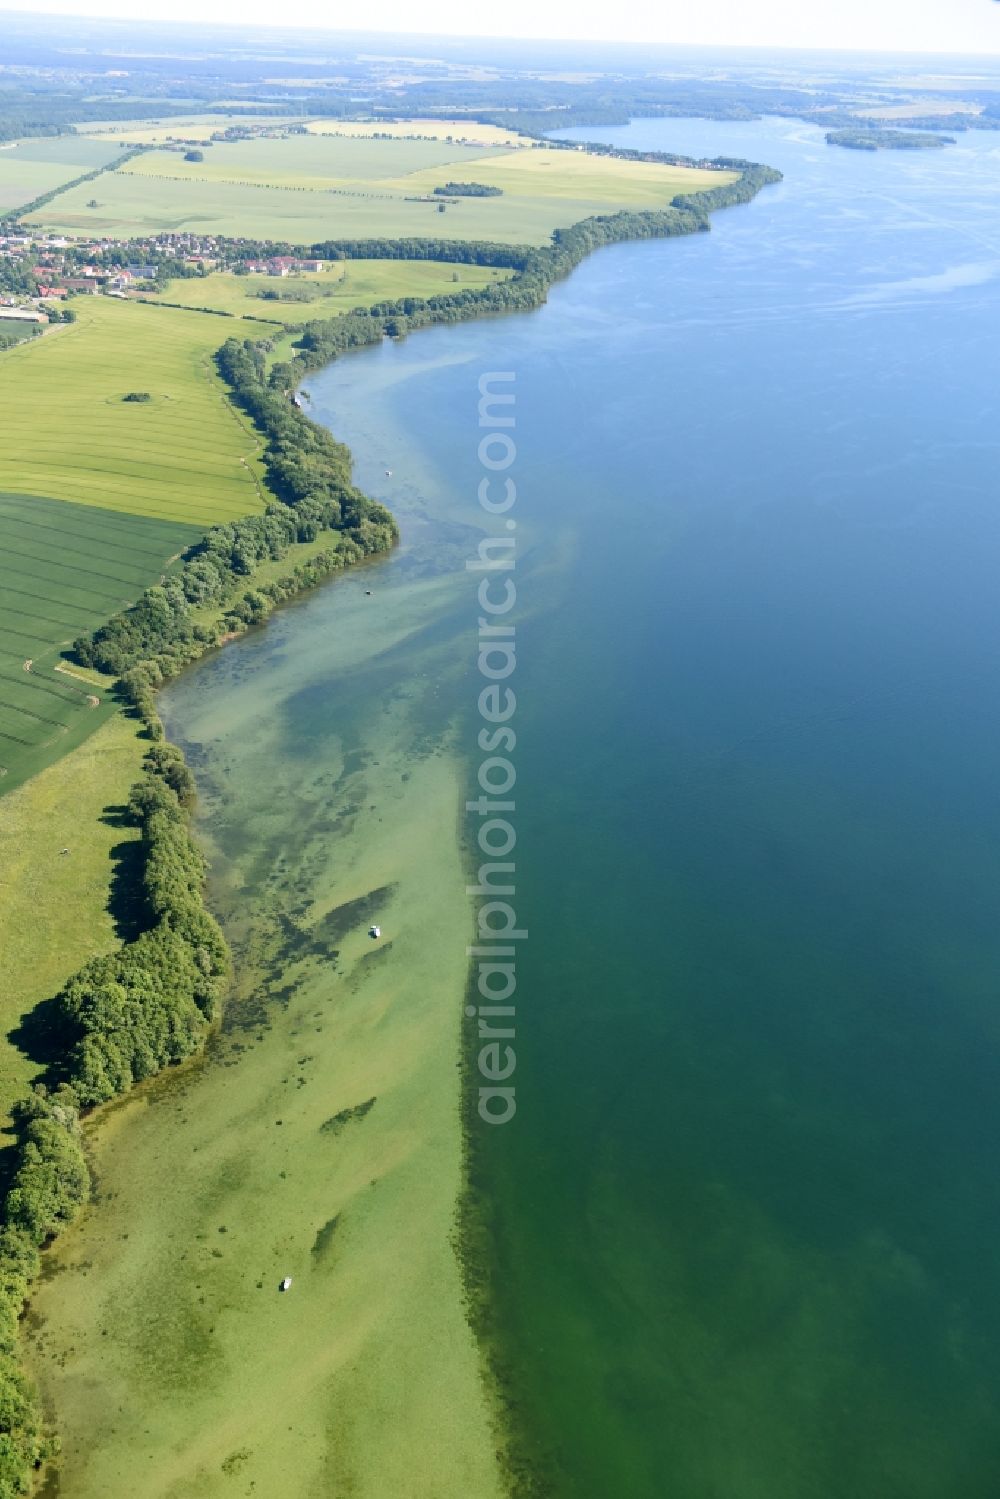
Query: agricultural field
{"points": [[97, 494], [346, 285], [185, 456], [309, 188], [64, 568], [311, 161], [31, 167]]}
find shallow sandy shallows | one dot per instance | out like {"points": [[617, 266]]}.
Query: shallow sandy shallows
{"points": [[177, 1367]]}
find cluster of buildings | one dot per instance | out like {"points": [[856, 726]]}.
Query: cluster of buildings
{"points": [[62, 267], [283, 265]]}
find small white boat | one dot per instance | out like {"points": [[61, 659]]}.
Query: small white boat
{"points": [[388, 473], [286, 1284], [374, 932]]}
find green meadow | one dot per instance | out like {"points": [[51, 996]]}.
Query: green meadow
{"points": [[347, 284], [29, 168], [314, 187]]}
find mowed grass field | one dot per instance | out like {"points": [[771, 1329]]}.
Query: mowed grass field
{"points": [[31, 167], [185, 456], [314, 187], [347, 284]]}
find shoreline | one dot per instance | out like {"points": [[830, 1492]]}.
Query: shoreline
{"points": [[561, 265], [381, 1289]]}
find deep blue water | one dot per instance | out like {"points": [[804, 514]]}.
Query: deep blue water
{"points": [[744, 1224]]}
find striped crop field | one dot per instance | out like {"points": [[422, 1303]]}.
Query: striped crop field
{"points": [[184, 456], [64, 568]]}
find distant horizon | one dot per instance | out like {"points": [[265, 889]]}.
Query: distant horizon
{"points": [[972, 19]]}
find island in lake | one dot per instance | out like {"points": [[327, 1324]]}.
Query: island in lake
{"points": [[888, 140]]}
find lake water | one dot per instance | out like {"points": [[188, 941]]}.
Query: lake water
{"points": [[742, 1230]]}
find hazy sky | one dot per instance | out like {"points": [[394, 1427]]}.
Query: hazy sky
{"points": [[877, 25]]}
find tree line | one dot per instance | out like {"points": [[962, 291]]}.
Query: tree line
{"points": [[468, 190], [309, 473], [126, 1016], [535, 268], [64, 187]]}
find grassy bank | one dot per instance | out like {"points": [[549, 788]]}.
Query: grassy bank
{"points": [[58, 910], [342, 288]]}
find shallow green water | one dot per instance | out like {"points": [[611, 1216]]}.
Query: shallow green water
{"points": [[743, 1225]]}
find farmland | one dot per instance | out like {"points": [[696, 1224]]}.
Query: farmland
{"points": [[313, 161], [98, 493], [346, 285], [31, 167], [183, 456], [63, 569], [325, 186]]}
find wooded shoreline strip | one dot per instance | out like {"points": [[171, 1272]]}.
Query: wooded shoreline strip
{"points": [[151, 1003]]}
